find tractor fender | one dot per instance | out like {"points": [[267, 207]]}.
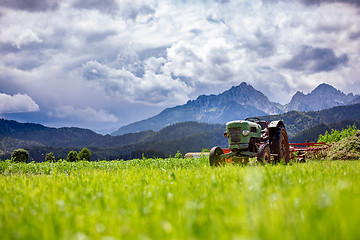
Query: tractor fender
{"points": [[275, 124], [278, 139]]}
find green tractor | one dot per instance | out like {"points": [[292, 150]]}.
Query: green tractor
{"points": [[253, 137]]}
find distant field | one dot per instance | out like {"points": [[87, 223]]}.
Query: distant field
{"points": [[179, 199]]}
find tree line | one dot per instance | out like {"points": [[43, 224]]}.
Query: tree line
{"points": [[22, 155]]}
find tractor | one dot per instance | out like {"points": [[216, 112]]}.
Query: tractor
{"points": [[250, 138]]}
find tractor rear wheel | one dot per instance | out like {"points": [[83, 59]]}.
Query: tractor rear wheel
{"points": [[215, 156], [280, 145], [263, 154]]}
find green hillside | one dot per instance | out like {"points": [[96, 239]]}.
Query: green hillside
{"points": [[296, 122], [312, 134]]}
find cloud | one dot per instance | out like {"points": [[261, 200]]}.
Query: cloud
{"points": [[87, 114], [316, 60], [17, 103], [19, 38], [128, 9], [154, 86], [101, 5], [319, 2], [32, 6], [102, 58]]}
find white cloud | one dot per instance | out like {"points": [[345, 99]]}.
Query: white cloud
{"points": [[19, 38], [17, 103], [154, 86], [87, 114]]}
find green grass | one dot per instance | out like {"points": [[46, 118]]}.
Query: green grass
{"points": [[179, 199]]}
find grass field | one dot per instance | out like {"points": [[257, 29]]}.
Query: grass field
{"points": [[179, 199]]}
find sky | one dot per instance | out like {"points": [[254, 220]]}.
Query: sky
{"points": [[102, 64]]}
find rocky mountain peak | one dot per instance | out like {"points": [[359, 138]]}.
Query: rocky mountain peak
{"points": [[299, 94], [245, 94], [238, 102], [322, 97], [325, 88]]}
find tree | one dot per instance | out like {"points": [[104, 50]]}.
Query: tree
{"points": [[20, 155], [49, 157], [73, 156], [178, 155], [85, 155]]}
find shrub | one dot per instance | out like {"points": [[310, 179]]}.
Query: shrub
{"points": [[85, 154], [20, 155], [49, 157], [336, 135], [72, 156], [178, 155]]}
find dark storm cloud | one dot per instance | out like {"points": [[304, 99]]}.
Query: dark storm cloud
{"points": [[261, 44], [319, 2], [316, 2], [99, 36], [30, 5], [132, 11], [222, 1], [128, 9], [316, 60], [354, 35], [6, 48], [101, 5]]}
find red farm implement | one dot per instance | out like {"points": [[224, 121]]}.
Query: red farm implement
{"points": [[298, 151]]}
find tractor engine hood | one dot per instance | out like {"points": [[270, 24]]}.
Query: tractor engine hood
{"points": [[240, 132]]}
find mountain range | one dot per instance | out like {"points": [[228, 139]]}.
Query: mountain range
{"points": [[240, 102]]}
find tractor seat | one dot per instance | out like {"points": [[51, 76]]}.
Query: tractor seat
{"points": [[263, 125]]}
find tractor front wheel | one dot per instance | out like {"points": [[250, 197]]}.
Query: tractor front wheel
{"points": [[215, 156], [280, 145], [263, 154]]}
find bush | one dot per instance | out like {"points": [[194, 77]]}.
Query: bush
{"points": [[85, 155], [49, 157], [336, 135], [72, 156], [178, 155], [20, 155]]}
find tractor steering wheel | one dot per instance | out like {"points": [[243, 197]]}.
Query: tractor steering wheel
{"points": [[253, 119]]}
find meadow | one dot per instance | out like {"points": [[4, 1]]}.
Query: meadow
{"points": [[179, 199]]}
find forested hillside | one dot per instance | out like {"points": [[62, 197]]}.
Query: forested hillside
{"points": [[296, 122], [312, 134], [36, 134], [182, 136]]}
